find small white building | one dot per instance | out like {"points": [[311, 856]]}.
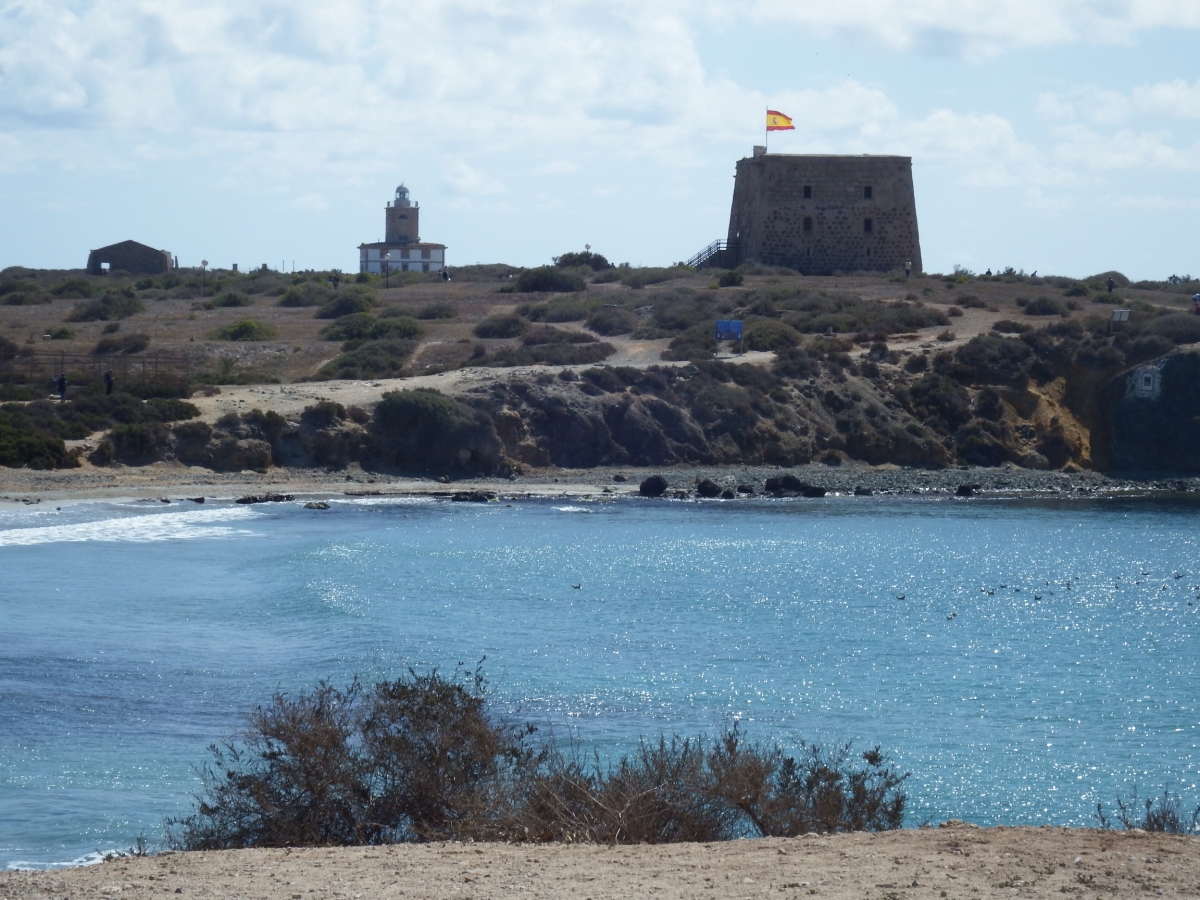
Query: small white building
{"points": [[402, 249]]}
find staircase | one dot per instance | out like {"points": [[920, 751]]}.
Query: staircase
{"points": [[718, 255]]}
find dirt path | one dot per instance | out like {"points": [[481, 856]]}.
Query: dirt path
{"points": [[950, 862]]}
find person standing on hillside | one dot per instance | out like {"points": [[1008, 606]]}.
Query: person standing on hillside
{"points": [[908, 269], [1111, 284], [108, 382], [61, 384]]}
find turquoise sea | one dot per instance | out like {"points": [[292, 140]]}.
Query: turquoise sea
{"points": [[1023, 659]]}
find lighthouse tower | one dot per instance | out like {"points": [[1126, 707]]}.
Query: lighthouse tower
{"points": [[402, 249]]}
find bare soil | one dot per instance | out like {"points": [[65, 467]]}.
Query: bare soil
{"points": [[956, 862]]}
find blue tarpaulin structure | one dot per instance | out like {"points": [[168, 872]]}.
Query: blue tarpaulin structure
{"points": [[729, 329]]}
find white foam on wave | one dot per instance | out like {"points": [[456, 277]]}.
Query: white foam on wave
{"points": [[90, 859], [387, 501], [150, 527], [572, 509]]}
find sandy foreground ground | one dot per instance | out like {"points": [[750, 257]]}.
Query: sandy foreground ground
{"points": [[959, 861]]}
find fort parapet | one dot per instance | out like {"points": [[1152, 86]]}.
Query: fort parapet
{"points": [[821, 214]]}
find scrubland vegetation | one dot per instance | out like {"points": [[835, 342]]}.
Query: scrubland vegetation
{"points": [[932, 371], [425, 758]]}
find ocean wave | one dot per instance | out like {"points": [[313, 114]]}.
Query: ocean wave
{"points": [[89, 859], [150, 527], [572, 509]]}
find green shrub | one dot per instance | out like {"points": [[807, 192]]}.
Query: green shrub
{"points": [[424, 430], [1008, 326], [372, 359], [989, 359], [846, 314], [697, 343], [8, 350], [233, 298], [1177, 327], [731, 278], [640, 278], [111, 328], [61, 333], [74, 289], [437, 311], [25, 442], [549, 279], [126, 344], [141, 442], [769, 334], [310, 293], [502, 326], [1044, 306], [171, 409], [560, 309], [612, 320], [1076, 290], [246, 330], [109, 307], [24, 298], [936, 398], [969, 301], [593, 261], [364, 327], [346, 303]]}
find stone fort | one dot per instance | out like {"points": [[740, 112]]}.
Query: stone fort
{"points": [[820, 214]]}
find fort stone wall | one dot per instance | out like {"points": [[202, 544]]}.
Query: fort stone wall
{"points": [[825, 214]]}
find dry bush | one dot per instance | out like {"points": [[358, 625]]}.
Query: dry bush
{"points": [[422, 758]]}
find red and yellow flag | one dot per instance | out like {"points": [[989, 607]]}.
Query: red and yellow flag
{"points": [[777, 121]]}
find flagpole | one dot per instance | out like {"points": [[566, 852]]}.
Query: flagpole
{"points": [[766, 134]]}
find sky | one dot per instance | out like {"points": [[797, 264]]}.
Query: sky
{"points": [[1058, 136]]}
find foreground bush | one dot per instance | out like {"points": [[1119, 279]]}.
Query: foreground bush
{"points": [[1164, 814], [422, 758]]}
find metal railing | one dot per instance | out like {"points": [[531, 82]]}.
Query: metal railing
{"points": [[718, 255]]}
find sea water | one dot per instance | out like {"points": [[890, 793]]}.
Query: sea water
{"points": [[1023, 660]]}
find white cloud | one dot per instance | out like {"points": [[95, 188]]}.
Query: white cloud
{"points": [[975, 28]]}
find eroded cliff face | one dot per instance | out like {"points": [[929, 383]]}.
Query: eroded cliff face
{"points": [[1152, 416]]}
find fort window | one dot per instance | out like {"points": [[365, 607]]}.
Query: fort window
{"points": [[808, 223], [808, 192], [425, 254], [424, 267], [868, 225], [867, 192], [404, 254], [403, 267]]}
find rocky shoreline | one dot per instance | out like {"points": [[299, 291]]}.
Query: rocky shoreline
{"points": [[171, 481]]}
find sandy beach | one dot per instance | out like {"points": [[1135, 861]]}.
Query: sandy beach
{"points": [[953, 861]]}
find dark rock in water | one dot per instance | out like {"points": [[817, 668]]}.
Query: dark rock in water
{"points": [[266, 498], [620, 479], [811, 490], [654, 486], [967, 490], [728, 495], [679, 495], [196, 499], [745, 489], [316, 504], [473, 497], [708, 488], [784, 483], [861, 491]]}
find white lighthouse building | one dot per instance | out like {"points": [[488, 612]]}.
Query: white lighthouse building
{"points": [[402, 249]]}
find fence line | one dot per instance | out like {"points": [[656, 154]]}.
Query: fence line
{"points": [[78, 366]]}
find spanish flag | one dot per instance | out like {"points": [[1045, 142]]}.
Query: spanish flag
{"points": [[777, 121]]}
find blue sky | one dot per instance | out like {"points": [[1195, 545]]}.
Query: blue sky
{"points": [[1054, 135]]}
